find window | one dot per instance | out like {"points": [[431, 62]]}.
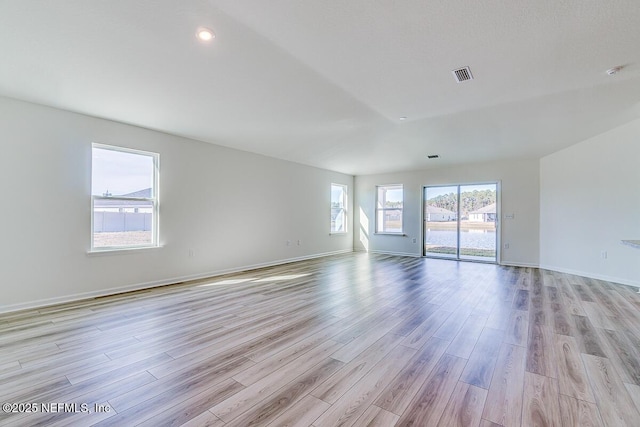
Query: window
{"points": [[124, 198], [338, 208], [389, 209]]}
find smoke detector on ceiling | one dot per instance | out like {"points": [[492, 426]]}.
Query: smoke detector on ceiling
{"points": [[614, 70], [462, 74]]}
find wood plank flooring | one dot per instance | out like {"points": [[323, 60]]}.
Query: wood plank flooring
{"points": [[349, 340]]}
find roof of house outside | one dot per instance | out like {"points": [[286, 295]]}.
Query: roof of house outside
{"points": [[487, 209], [115, 202], [436, 209], [145, 193]]}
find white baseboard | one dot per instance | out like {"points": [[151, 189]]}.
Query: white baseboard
{"points": [[395, 253], [147, 285], [509, 264], [156, 283], [519, 264], [612, 279]]}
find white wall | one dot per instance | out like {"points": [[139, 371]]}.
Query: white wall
{"points": [[520, 196], [234, 209], [589, 202]]}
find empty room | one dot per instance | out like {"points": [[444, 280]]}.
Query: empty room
{"points": [[320, 213]]}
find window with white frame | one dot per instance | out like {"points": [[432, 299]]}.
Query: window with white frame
{"points": [[124, 198], [338, 208], [389, 200]]}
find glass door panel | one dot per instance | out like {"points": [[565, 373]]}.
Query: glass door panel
{"points": [[478, 222], [440, 222]]}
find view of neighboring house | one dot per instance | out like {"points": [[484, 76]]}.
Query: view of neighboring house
{"points": [[119, 204], [122, 214], [486, 214], [437, 214]]}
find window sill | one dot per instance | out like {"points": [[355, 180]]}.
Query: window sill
{"points": [[390, 234], [339, 233], [121, 251]]}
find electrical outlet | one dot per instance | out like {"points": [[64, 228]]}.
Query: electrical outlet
{"points": [[603, 254], [192, 253], [506, 246], [414, 240], [299, 242], [288, 243]]}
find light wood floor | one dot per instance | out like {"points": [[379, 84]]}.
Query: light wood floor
{"points": [[355, 339]]}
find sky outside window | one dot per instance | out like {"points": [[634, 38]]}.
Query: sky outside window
{"points": [[119, 173]]}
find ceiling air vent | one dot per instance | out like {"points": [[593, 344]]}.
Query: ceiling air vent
{"points": [[432, 156], [462, 74]]}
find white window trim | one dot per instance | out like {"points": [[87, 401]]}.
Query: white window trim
{"points": [[377, 209], [121, 250], [345, 203], [154, 201]]}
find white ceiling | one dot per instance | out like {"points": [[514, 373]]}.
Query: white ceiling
{"points": [[324, 83]]}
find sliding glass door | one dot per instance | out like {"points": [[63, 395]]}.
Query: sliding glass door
{"points": [[441, 222], [460, 222]]}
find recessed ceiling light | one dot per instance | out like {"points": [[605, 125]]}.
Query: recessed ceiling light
{"points": [[402, 118], [205, 34]]}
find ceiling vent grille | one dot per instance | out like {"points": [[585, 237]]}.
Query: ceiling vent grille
{"points": [[462, 74]]}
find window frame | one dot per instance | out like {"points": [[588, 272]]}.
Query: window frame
{"points": [[381, 210], [345, 203], [154, 199]]}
